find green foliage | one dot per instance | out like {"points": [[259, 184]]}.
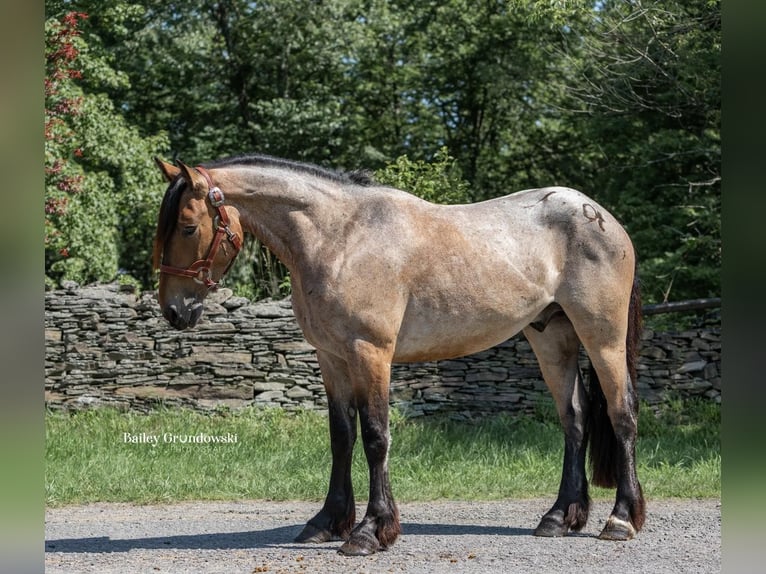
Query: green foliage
{"points": [[619, 99], [80, 223], [438, 181], [257, 273], [646, 90], [680, 438], [280, 456], [102, 188]]}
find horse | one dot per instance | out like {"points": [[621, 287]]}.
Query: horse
{"points": [[380, 276]]}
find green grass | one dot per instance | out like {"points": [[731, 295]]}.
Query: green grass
{"points": [[279, 456]]}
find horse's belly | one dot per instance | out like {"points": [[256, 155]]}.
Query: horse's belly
{"points": [[445, 337]]}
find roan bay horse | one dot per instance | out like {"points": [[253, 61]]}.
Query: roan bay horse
{"points": [[380, 276]]}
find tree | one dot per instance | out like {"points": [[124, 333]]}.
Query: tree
{"points": [[79, 223], [462, 74], [439, 181], [98, 203], [619, 98], [644, 91], [229, 76]]}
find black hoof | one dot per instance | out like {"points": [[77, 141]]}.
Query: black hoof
{"points": [[313, 535], [617, 529], [551, 526], [360, 544]]}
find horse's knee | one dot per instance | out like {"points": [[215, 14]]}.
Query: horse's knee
{"points": [[376, 436]]}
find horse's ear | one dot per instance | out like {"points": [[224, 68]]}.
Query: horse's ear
{"points": [[191, 175], [168, 170]]}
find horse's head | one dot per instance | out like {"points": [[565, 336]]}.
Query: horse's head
{"points": [[196, 242]]}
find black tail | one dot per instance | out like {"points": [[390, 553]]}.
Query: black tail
{"points": [[603, 442]]}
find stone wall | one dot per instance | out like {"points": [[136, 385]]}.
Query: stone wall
{"points": [[106, 346]]}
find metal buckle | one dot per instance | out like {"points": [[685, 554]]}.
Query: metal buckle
{"points": [[216, 196], [231, 235], [204, 276]]}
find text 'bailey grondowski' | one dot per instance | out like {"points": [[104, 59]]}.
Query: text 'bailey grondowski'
{"points": [[172, 438]]}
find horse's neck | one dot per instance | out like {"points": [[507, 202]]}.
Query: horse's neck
{"points": [[284, 210]]}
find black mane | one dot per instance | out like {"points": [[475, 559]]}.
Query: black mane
{"points": [[356, 177]]}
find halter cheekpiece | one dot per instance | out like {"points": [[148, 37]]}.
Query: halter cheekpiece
{"points": [[202, 270]]}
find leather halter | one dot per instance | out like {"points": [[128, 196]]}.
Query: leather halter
{"points": [[202, 269]]}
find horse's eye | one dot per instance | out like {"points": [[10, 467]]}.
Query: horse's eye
{"points": [[189, 230]]}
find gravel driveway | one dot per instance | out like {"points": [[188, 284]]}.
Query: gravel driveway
{"points": [[440, 537]]}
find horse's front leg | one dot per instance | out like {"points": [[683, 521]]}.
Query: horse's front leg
{"points": [[380, 526], [336, 519]]}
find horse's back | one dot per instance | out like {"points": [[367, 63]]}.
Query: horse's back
{"points": [[487, 270]]}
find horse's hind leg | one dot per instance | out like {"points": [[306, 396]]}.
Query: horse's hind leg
{"points": [[611, 341], [336, 519], [557, 348], [613, 445]]}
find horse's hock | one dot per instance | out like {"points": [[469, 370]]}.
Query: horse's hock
{"points": [[106, 346]]}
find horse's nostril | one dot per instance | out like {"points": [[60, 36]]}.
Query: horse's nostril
{"points": [[174, 317], [171, 314], [196, 313]]}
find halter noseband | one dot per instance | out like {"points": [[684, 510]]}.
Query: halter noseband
{"points": [[202, 269]]}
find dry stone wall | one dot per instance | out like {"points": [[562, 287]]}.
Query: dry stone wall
{"points": [[107, 346]]}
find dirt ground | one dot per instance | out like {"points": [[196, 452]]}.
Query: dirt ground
{"points": [[443, 537]]}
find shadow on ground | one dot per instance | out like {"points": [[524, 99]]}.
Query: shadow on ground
{"points": [[282, 537]]}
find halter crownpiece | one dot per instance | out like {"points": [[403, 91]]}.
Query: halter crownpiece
{"points": [[202, 270]]}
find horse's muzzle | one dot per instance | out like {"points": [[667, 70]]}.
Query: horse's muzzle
{"points": [[184, 318]]}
